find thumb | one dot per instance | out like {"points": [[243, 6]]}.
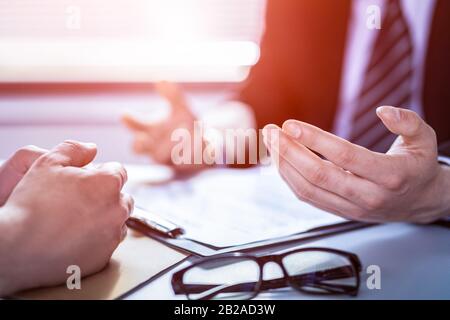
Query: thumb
{"points": [[408, 124], [172, 93], [70, 153]]}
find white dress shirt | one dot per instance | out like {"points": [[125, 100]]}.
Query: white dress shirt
{"points": [[360, 40]]}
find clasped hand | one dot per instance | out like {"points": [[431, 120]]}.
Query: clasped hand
{"points": [[55, 212]]}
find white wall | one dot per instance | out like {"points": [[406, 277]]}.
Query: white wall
{"points": [[46, 119]]}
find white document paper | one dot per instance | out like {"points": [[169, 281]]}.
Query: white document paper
{"points": [[227, 207]]}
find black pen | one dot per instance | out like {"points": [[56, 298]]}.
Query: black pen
{"points": [[144, 220]]}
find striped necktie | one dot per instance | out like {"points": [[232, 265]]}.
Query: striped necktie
{"points": [[387, 80]]}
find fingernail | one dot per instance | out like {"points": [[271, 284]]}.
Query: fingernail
{"points": [[90, 145], [391, 112], [293, 130]]}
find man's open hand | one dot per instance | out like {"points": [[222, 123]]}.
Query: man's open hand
{"points": [[405, 184], [154, 139]]}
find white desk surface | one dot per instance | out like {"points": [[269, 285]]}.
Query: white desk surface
{"points": [[414, 262]]}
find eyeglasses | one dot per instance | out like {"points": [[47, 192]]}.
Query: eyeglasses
{"points": [[242, 276]]}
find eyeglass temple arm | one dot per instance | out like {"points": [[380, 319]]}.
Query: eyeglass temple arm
{"points": [[307, 278]]}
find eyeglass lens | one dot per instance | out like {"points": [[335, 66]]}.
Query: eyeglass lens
{"points": [[320, 272], [230, 278]]}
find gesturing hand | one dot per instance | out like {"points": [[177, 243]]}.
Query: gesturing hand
{"points": [[59, 214], [405, 184], [154, 139]]}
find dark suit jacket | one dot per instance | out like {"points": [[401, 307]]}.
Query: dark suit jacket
{"points": [[299, 72]]}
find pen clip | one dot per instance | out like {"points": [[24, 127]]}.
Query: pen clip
{"points": [[153, 223]]}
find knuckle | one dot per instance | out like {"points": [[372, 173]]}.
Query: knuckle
{"points": [[310, 136], [118, 217], [395, 182], [119, 232], [119, 171], [319, 176], [127, 206], [124, 215], [350, 192], [130, 203], [112, 181], [345, 158], [124, 173], [46, 160], [412, 119], [124, 232], [117, 165], [102, 182], [374, 203], [283, 148], [25, 151], [22, 158], [302, 193], [416, 125], [93, 183], [115, 182], [72, 146]]}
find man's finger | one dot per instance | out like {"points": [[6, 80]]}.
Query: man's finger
{"points": [[162, 153], [128, 203], [342, 153], [13, 170], [142, 143], [324, 174], [124, 232], [408, 124], [172, 93], [114, 169], [23, 158], [146, 143], [318, 197], [70, 153], [133, 123]]}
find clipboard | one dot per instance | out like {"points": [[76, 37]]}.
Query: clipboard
{"points": [[159, 227], [197, 248]]}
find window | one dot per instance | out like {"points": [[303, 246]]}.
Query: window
{"points": [[129, 40]]}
